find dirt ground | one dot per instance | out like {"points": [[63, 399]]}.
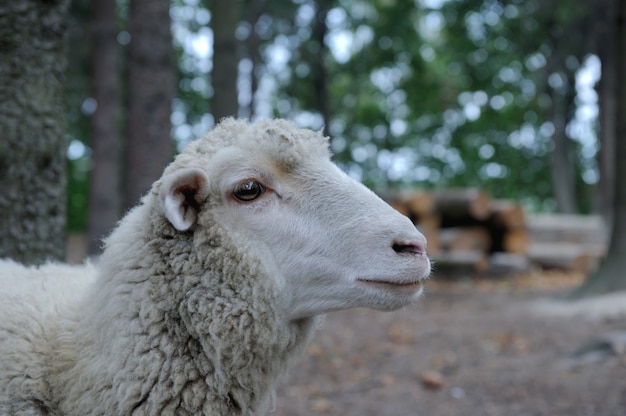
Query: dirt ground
{"points": [[470, 348], [498, 347]]}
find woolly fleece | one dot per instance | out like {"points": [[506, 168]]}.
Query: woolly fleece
{"points": [[201, 297], [176, 323]]}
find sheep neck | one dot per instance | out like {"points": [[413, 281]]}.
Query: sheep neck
{"points": [[188, 324]]}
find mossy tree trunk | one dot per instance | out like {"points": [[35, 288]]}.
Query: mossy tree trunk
{"points": [[611, 275], [32, 129]]}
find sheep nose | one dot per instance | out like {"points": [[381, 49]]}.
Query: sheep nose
{"points": [[413, 246]]}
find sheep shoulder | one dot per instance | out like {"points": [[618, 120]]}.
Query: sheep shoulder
{"points": [[37, 310]]}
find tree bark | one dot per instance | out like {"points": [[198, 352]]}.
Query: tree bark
{"points": [[321, 73], [225, 16], [610, 276], [151, 89], [563, 173], [606, 88], [33, 59], [104, 196], [253, 49]]}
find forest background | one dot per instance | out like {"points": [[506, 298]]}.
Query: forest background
{"points": [[520, 98]]}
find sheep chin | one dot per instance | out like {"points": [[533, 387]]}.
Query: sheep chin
{"points": [[388, 297], [415, 288]]}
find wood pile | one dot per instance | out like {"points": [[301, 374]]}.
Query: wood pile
{"points": [[468, 231], [571, 242]]}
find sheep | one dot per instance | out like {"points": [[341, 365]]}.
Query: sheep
{"points": [[207, 288]]}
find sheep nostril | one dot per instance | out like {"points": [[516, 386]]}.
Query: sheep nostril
{"points": [[409, 248]]}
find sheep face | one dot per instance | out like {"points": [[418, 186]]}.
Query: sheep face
{"points": [[329, 242]]}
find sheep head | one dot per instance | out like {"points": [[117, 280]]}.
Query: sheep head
{"points": [[328, 242]]}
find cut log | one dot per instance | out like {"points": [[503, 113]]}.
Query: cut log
{"points": [[433, 243], [507, 264], [565, 256], [431, 221], [396, 201], [588, 232], [567, 228], [420, 204], [471, 260], [399, 206], [462, 203], [415, 205], [465, 239], [515, 241], [507, 214]]}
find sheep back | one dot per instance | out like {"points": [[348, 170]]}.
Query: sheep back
{"points": [[38, 306]]}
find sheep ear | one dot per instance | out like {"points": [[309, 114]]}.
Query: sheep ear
{"points": [[182, 192]]}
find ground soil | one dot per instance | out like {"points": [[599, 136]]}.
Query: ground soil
{"points": [[470, 347]]}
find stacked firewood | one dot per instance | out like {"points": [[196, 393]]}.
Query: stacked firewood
{"points": [[468, 230], [571, 242]]}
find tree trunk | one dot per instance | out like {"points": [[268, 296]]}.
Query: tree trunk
{"points": [[606, 88], [321, 73], [610, 276], [33, 199], [104, 197], [224, 18], [151, 89], [253, 48], [563, 173]]}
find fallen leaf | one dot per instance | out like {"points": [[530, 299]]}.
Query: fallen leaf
{"points": [[314, 350], [401, 332], [321, 405], [387, 380], [433, 380]]}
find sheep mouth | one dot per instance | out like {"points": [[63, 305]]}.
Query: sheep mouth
{"points": [[411, 286]]}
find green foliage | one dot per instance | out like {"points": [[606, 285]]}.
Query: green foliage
{"points": [[456, 95], [423, 93]]}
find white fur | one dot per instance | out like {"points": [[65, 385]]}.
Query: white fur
{"points": [[200, 299]]}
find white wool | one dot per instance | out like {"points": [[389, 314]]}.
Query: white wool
{"points": [[203, 294]]}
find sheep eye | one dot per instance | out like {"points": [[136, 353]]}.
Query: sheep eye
{"points": [[248, 190]]}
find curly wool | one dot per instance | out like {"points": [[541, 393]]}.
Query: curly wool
{"points": [[294, 144], [176, 323]]}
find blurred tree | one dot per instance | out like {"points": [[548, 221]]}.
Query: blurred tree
{"points": [[32, 150], [225, 15], [252, 50], [79, 107], [104, 196], [320, 63], [610, 276], [273, 33], [606, 46], [562, 157], [566, 32], [423, 93], [466, 93], [151, 89]]}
